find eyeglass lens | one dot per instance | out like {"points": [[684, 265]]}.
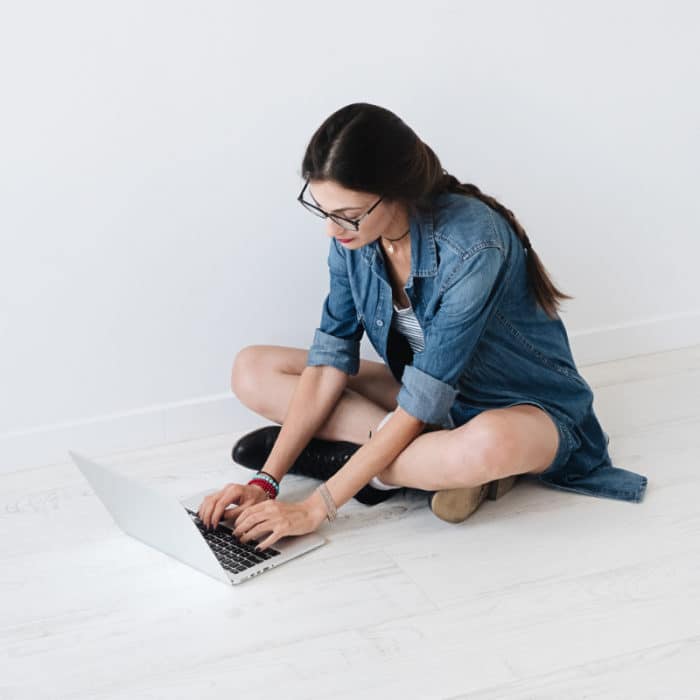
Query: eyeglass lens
{"points": [[310, 205]]}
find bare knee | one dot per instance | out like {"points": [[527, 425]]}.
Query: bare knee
{"points": [[479, 453], [248, 366]]}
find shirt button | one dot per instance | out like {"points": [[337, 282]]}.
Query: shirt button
{"points": [[380, 322]]}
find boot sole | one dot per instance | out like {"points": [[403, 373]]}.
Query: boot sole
{"points": [[456, 505]]}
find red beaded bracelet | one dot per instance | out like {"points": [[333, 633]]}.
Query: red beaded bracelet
{"points": [[265, 486]]}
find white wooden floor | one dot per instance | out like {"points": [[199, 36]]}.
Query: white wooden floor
{"points": [[541, 594]]}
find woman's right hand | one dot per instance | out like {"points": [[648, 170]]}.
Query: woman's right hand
{"points": [[213, 508]]}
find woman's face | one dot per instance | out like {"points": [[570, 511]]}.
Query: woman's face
{"points": [[352, 204]]}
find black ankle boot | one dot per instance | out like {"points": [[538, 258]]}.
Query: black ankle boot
{"points": [[320, 459]]}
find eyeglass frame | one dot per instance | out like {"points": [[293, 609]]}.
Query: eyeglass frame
{"points": [[326, 215]]}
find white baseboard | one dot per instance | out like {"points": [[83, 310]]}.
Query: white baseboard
{"points": [[148, 427], [223, 413], [651, 335]]}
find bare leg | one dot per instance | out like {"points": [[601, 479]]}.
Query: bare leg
{"points": [[493, 445], [434, 460], [427, 463], [264, 378], [351, 419]]}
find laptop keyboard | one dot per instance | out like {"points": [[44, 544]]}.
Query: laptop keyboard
{"points": [[234, 555]]}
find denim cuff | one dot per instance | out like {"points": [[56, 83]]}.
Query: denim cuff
{"points": [[342, 353], [425, 397]]}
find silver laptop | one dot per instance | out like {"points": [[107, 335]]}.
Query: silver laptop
{"points": [[174, 528]]}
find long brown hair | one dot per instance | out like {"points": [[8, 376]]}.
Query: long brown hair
{"points": [[368, 148]]}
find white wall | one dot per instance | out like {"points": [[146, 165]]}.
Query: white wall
{"points": [[149, 165]]}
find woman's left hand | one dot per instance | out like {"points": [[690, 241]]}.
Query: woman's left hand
{"points": [[277, 518]]}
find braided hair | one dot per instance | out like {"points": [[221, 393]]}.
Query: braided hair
{"points": [[368, 148]]}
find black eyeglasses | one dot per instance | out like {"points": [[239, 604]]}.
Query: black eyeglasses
{"points": [[343, 222]]}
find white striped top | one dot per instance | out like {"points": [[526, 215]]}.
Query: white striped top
{"points": [[406, 323]]}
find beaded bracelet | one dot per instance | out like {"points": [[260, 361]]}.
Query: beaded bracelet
{"points": [[269, 477], [267, 483]]}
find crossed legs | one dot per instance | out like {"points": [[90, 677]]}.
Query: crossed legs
{"points": [[494, 444]]}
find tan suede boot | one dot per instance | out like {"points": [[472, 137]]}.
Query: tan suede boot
{"points": [[456, 505]]}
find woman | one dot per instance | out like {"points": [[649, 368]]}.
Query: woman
{"points": [[478, 386]]}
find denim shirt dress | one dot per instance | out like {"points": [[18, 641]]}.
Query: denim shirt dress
{"points": [[487, 344]]}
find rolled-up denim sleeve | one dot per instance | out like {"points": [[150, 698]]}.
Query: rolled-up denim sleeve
{"points": [[336, 340], [429, 383]]}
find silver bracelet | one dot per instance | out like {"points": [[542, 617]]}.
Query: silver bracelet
{"points": [[328, 500]]}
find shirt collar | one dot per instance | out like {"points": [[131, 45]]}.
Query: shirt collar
{"points": [[423, 253]]}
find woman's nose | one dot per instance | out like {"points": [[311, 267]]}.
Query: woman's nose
{"points": [[334, 230]]}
